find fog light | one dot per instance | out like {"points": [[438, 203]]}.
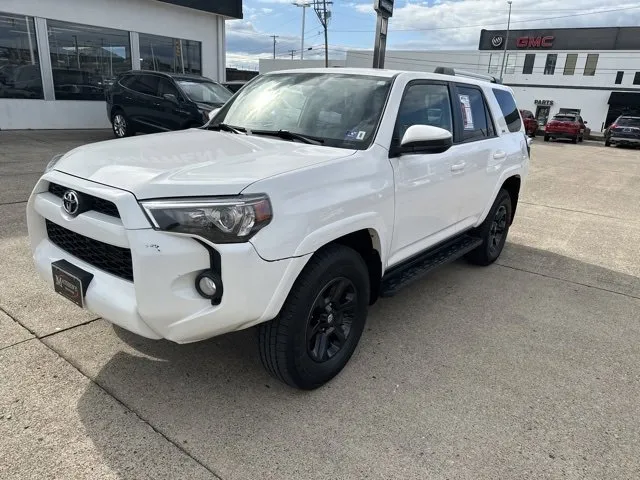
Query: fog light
{"points": [[208, 284]]}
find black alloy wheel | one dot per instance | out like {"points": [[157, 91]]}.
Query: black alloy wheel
{"points": [[330, 319], [498, 230]]}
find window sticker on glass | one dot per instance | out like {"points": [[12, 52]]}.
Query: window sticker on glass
{"points": [[355, 135], [467, 116]]}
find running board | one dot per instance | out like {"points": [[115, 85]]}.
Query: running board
{"points": [[417, 267]]}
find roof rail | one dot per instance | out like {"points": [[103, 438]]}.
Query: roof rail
{"points": [[461, 73]]}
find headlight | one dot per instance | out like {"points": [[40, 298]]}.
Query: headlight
{"points": [[52, 163], [219, 220]]}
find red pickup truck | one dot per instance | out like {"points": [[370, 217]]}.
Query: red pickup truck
{"points": [[530, 123], [566, 125]]}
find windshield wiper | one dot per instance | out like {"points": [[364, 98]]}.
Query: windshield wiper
{"points": [[287, 135], [227, 128]]}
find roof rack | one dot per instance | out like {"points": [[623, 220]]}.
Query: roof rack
{"points": [[454, 72]]}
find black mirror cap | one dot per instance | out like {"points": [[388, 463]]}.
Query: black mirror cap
{"points": [[422, 147], [171, 97]]}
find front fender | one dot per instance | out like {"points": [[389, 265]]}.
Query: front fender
{"points": [[372, 221]]}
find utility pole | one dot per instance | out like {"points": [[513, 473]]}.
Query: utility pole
{"points": [[506, 41], [274, 45], [384, 9], [304, 4], [292, 52], [320, 6]]}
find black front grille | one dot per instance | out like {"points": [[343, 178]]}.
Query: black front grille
{"points": [[96, 204], [111, 259]]}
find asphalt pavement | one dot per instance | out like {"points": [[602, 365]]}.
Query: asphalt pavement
{"points": [[524, 369]]}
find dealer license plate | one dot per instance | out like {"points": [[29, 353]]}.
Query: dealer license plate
{"points": [[70, 281]]}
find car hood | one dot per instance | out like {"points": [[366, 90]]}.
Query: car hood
{"points": [[195, 162]]}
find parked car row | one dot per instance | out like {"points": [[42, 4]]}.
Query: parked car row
{"points": [[146, 101]]}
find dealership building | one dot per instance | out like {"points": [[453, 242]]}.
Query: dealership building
{"points": [[592, 71], [57, 57]]}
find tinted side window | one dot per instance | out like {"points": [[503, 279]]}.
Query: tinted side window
{"points": [[165, 86], [509, 109], [147, 84], [476, 123], [424, 104], [128, 81]]}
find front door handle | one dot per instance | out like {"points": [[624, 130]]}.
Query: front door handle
{"points": [[458, 167], [499, 155]]}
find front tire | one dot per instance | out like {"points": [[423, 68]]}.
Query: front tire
{"points": [[574, 140], [607, 143], [121, 125], [320, 324], [546, 138], [493, 231]]}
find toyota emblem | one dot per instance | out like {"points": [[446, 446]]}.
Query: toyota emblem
{"points": [[496, 41], [71, 202]]}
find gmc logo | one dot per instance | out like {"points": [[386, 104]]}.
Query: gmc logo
{"points": [[534, 42]]}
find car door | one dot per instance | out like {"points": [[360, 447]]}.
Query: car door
{"points": [[146, 100], [482, 156], [170, 113], [427, 207]]}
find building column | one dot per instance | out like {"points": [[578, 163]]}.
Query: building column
{"points": [[221, 49], [42, 39], [134, 40]]}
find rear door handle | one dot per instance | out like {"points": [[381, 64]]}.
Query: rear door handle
{"points": [[458, 167], [499, 155]]}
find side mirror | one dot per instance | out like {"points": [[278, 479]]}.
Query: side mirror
{"points": [[425, 139], [585, 122], [213, 113], [171, 97]]}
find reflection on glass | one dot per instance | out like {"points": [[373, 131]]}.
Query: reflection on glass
{"points": [[164, 54], [342, 110], [86, 59], [19, 62], [205, 92]]}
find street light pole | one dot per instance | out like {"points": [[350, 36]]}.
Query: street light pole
{"points": [[506, 41], [304, 5]]}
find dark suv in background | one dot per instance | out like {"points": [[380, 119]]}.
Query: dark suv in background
{"points": [[624, 131], [141, 101]]}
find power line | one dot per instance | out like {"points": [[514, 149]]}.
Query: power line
{"points": [[492, 24]]}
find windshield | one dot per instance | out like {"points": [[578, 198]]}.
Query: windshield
{"points": [[628, 122], [205, 92], [341, 110], [565, 118]]}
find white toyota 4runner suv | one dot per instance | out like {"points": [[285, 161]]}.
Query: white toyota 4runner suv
{"points": [[306, 197]]}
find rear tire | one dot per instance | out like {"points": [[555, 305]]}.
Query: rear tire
{"points": [[581, 139], [546, 138], [320, 324], [574, 140], [607, 143], [120, 124], [493, 231]]}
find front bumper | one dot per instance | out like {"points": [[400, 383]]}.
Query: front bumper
{"points": [[162, 301]]}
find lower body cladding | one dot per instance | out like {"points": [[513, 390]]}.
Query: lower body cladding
{"points": [[570, 135], [631, 141], [162, 300]]}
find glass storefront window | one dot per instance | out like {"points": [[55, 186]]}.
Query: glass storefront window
{"points": [[165, 54], [19, 61], [86, 59]]}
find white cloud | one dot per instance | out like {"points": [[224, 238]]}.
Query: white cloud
{"points": [[457, 24]]}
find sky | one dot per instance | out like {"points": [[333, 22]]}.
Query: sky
{"points": [[415, 25]]}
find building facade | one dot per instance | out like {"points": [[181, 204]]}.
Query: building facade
{"points": [[56, 58], [592, 71]]}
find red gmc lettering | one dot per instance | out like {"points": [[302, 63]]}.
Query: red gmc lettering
{"points": [[547, 41], [534, 42]]}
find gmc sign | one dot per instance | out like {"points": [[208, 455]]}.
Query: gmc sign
{"points": [[534, 42]]}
